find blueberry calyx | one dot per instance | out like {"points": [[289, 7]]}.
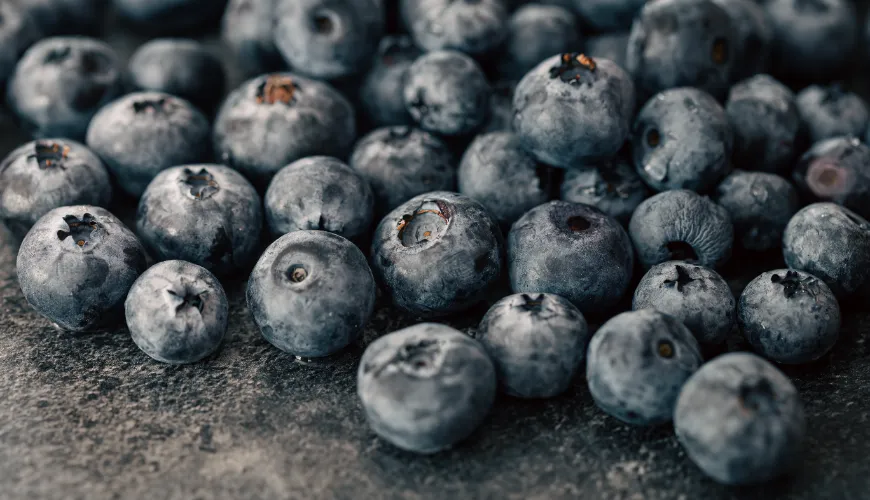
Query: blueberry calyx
{"points": [[322, 24], [297, 273], [755, 395], [578, 224], [428, 222], [49, 154], [202, 184], [532, 305], [792, 283], [826, 178], [57, 56], [79, 229], [399, 132], [419, 103], [188, 300], [665, 349], [574, 68], [151, 106], [681, 280], [277, 88], [653, 138]]}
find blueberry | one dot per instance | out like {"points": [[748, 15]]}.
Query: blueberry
{"points": [[682, 43], [740, 420], [637, 363], [328, 38], [693, 294], [205, 214], [60, 83], [76, 265], [247, 30], [438, 253], [506, 180], [572, 109], [536, 32], [298, 293], [67, 17], [382, 90], [273, 120], [426, 387], [681, 225], [831, 111], [471, 26], [682, 139], [836, 170], [760, 206], [447, 93], [180, 67], [402, 162], [18, 31], [170, 16], [766, 124], [831, 243], [572, 250], [754, 36], [607, 15], [612, 187], [319, 192], [144, 133], [537, 342], [177, 312], [610, 46], [501, 108]]}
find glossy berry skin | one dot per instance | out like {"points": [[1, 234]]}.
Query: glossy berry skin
{"points": [[298, 293], [438, 253], [60, 83], [836, 170], [447, 93], [610, 46], [48, 173], [181, 67], [682, 43], [831, 243], [760, 206], [382, 92], [682, 140], [607, 15], [170, 16], [695, 295], [571, 109], [502, 177], [754, 36], [474, 27], [537, 342], [208, 215], [144, 133], [247, 30], [788, 316], [177, 312], [740, 420], [636, 364], [426, 387], [76, 265], [273, 120], [612, 187], [681, 225], [18, 32], [319, 192], [571, 250], [402, 162], [328, 39], [534, 33], [831, 111]]}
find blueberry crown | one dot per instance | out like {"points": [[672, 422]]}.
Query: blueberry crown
{"points": [[49, 154], [792, 283], [80, 230], [202, 183], [188, 300], [277, 88], [573, 67], [681, 280], [151, 106]]}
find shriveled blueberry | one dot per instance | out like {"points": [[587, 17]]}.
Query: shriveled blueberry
{"points": [[205, 214], [170, 16], [447, 93], [276, 119], [760, 206], [610, 46], [695, 295], [299, 294], [681, 225], [501, 108], [18, 31], [682, 43], [426, 387], [572, 109], [438, 253], [836, 170], [831, 243], [328, 38], [177, 312], [76, 265], [319, 192], [831, 111], [60, 83], [740, 420], [471, 26], [382, 90], [402, 162], [637, 363], [612, 187], [144, 133], [534, 33], [247, 30], [754, 38], [682, 140], [537, 342], [572, 250], [607, 15]]}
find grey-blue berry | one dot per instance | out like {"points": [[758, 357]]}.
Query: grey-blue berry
{"points": [[381, 94], [475, 27], [836, 170], [614, 187], [534, 33], [832, 111], [247, 31], [760, 205]]}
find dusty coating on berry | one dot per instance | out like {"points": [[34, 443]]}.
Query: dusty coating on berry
{"points": [[277, 88], [573, 68]]}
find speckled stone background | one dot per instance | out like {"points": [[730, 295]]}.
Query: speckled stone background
{"points": [[91, 417]]}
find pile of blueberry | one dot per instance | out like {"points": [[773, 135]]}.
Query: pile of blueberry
{"points": [[539, 157]]}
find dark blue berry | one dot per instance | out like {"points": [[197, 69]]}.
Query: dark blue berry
{"points": [[760, 206], [472, 26], [534, 33], [170, 16], [612, 187], [382, 90], [247, 30], [831, 111]]}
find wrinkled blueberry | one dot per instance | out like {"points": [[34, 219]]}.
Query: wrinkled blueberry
{"points": [[610, 46], [170, 16], [534, 33], [832, 111], [247, 30], [382, 90], [760, 206], [471, 26], [18, 31], [837, 170], [612, 187], [754, 36]]}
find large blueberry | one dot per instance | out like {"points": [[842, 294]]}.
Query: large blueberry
{"points": [[144, 133], [836, 170], [18, 31], [754, 36], [612, 187], [311, 293], [438, 253], [471, 26], [382, 90], [177, 312], [537, 342], [536, 32], [572, 250], [607, 15], [276, 119], [831, 111], [681, 225], [205, 214], [682, 139], [610, 46], [247, 30], [60, 83], [572, 109], [170, 16], [760, 206], [637, 363], [740, 420], [76, 265]]}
